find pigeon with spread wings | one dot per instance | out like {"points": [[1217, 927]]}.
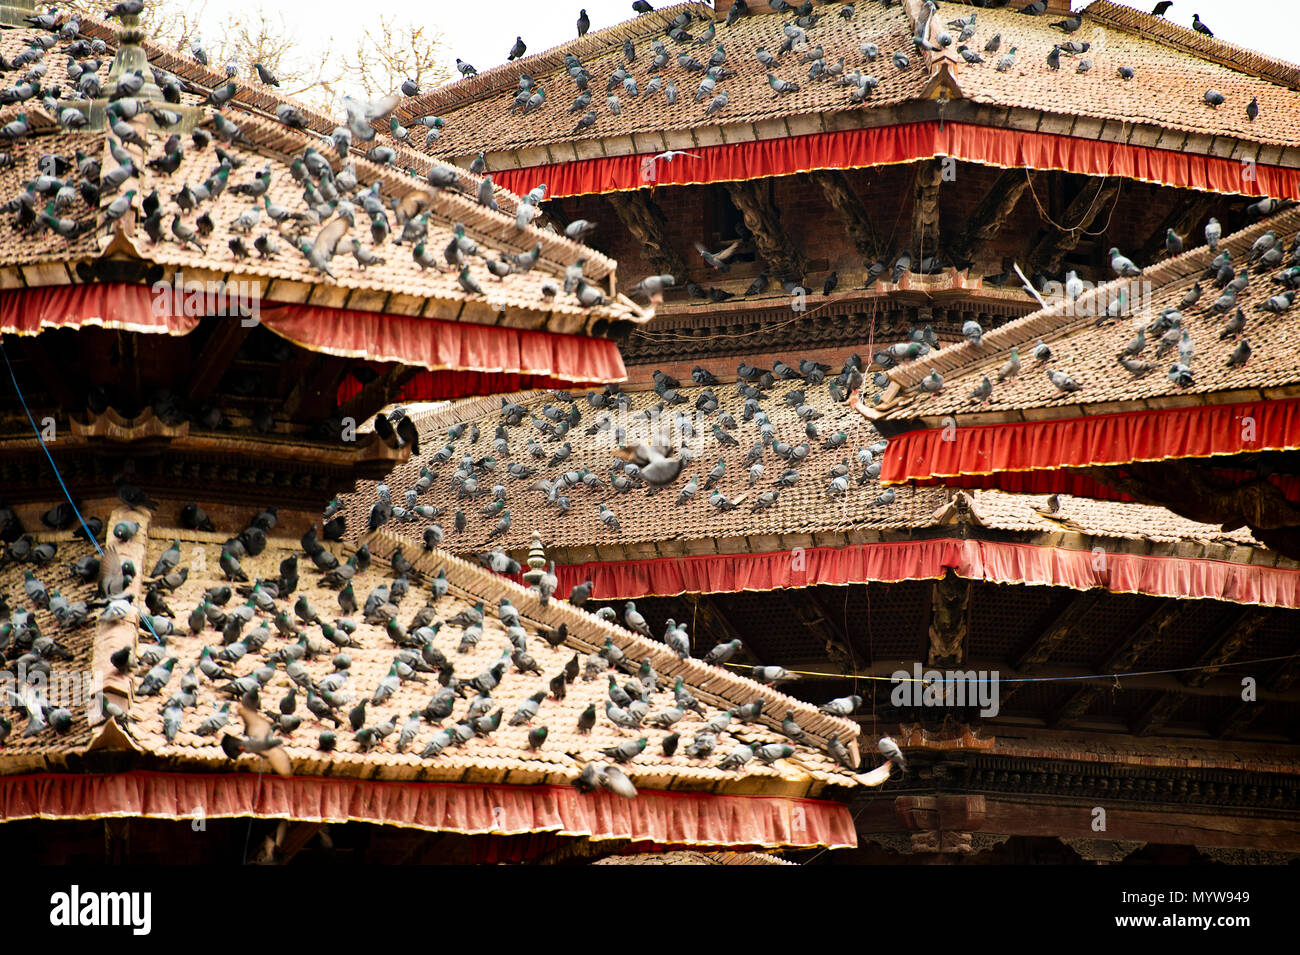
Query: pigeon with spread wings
{"points": [[362, 114], [718, 261], [320, 252], [259, 740], [658, 466]]}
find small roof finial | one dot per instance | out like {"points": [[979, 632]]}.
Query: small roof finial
{"points": [[536, 560], [130, 58]]}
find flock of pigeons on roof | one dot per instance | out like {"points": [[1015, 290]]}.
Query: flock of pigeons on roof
{"points": [[798, 39], [770, 464], [262, 628], [333, 199], [1168, 330]]}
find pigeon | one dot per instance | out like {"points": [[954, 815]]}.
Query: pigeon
{"points": [[843, 706], [1061, 381], [1010, 368], [723, 652], [1240, 355], [259, 740], [1200, 27], [889, 749], [1213, 232], [1123, 266]]}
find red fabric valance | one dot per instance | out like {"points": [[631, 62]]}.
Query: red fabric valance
{"points": [[661, 818], [855, 148], [515, 356], [1099, 440], [991, 561], [1078, 483], [125, 307], [439, 346]]}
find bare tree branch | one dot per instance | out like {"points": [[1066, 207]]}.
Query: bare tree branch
{"points": [[382, 56]]}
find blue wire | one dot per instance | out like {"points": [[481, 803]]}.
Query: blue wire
{"points": [[59, 477]]}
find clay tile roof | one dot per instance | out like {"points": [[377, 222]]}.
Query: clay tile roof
{"points": [[1173, 71], [479, 118], [1088, 353], [267, 143], [74, 661], [254, 98], [1142, 23], [1174, 68], [464, 90], [655, 523], [504, 753], [803, 508]]}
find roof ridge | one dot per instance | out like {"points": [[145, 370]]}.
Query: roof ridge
{"points": [[465, 90], [935, 60], [259, 99], [1143, 24], [701, 677], [1064, 316], [195, 72], [462, 410], [272, 135]]}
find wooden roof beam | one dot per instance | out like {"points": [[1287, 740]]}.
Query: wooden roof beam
{"points": [[834, 184], [949, 619], [707, 612], [379, 392], [642, 217], [925, 208], [992, 213], [1064, 625], [316, 391], [1231, 644], [1184, 215], [754, 200], [1247, 711], [814, 621], [1124, 657], [215, 358], [1094, 200]]}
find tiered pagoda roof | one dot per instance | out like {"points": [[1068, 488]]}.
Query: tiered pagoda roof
{"points": [[341, 780], [1231, 407], [664, 544], [394, 285], [1160, 108]]}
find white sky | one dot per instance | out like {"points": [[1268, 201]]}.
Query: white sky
{"points": [[482, 31]]}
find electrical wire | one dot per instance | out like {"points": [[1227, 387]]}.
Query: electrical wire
{"points": [[1032, 679], [59, 476]]}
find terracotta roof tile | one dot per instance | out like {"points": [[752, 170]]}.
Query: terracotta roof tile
{"points": [[485, 122], [1088, 353], [1167, 90], [564, 752], [802, 508], [265, 141], [71, 679], [646, 519], [1174, 69]]}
